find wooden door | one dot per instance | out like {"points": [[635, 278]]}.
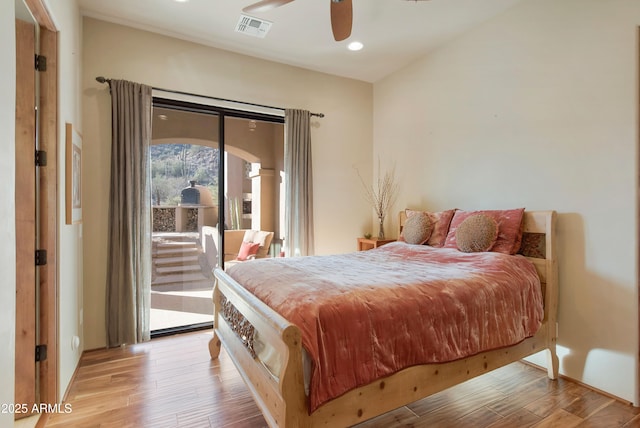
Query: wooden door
{"points": [[25, 205], [48, 179]]}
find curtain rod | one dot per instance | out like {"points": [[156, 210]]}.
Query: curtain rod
{"points": [[102, 79]]}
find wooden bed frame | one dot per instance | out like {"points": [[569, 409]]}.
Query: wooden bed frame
{"points": [[283, 401]]}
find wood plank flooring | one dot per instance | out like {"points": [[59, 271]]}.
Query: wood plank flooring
{"points": [[172, 382]]}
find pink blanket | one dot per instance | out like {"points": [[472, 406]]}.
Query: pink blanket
{"points": [[369, 314]]}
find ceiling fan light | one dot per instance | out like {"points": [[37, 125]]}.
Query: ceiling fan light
{"points": [[355, 46]]}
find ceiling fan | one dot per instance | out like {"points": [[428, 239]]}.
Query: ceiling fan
{"points": [[341, 14]]}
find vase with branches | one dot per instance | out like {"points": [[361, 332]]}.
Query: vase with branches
{"points": [[381, 195]]}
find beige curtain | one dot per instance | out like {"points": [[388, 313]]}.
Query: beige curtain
{"points": [[299, 184], [129, 251]]}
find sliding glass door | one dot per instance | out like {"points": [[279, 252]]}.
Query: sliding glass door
{"points": [[215, 174], [185, 156]]}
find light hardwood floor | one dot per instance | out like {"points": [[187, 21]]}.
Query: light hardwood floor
{"points": [[172, 382]]}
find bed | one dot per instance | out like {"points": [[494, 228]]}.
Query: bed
{"points": [[283, 387]]}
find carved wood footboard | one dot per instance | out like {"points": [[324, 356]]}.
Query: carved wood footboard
{"points": [[281, 396], [281, 400]]}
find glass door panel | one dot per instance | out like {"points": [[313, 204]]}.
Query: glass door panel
{"points": [[185, 159], [254, 163]]}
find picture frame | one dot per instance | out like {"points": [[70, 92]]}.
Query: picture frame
{"points": [[73, 176]]}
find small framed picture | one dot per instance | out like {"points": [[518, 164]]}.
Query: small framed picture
{"points": [[73, 184]]}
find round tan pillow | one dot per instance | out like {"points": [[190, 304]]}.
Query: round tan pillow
{"points": [[417, 229], [476, 233]]}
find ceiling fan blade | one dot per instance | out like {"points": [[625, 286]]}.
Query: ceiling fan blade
{"points": [[265, 5], [341, 19]]}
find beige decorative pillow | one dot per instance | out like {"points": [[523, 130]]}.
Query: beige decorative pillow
{"points": [[440, 221], [476, 233], [510, 228], [417, 229]]}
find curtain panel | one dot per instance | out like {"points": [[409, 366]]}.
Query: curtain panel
{"points": [[299, 184], [129, 246]]}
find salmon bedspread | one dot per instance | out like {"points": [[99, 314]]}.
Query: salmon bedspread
{"points": [[369, 314]]}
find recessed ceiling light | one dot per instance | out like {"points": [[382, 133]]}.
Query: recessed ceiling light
{"points": [[181, 1], [355, 46]]}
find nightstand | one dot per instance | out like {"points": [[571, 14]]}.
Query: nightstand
{"points": [[369, 243]]}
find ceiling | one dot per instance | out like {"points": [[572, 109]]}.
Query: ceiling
{"points": [[394, 32]]}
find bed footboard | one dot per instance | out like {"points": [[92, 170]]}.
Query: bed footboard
{"points": [[282, 400]]}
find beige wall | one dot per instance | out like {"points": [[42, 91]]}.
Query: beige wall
{"points": [[340, 140], [7, 203], [538, 107], [70, 241]]}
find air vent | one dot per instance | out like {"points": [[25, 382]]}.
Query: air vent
{"points": [[253, 26]]}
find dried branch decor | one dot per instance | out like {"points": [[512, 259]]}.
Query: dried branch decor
{"points": [[381, 195]]}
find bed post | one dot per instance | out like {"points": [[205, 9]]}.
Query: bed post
{"points": [[297, 406], [551, 303], [214, 343]]}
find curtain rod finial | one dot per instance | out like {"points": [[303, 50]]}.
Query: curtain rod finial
{"points": [[101, 79]]}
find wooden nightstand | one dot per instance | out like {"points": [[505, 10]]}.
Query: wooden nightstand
{"points": [[369, 243]]}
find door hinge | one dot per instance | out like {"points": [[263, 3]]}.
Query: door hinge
{"points": [[41, 158], [41, 63], [41, 352], [41, 257]]}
